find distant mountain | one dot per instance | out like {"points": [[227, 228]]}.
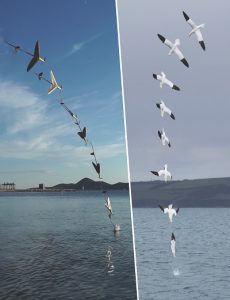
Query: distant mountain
{"points": [[212, 192], [89, 184]]}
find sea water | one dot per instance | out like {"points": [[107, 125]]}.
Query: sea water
{"points": [[201, 269], [54, 246]]}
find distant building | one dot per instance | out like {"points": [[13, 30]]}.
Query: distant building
{"points": [[41, 186], [8, 186]]}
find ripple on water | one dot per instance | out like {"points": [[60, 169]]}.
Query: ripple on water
{"points": [[54, 248], [199, 271]]}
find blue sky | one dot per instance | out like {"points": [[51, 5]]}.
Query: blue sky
{"points": [[39, 142]]}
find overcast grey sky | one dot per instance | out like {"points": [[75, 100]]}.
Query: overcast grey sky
{"points": [[200, 134]]}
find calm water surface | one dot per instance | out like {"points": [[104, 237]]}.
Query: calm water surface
{"points": [[53, 246], [201, 269]]}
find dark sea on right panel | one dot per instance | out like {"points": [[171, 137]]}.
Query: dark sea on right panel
{"points": [[201, 269]]}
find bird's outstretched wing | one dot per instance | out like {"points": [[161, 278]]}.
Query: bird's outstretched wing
{"points": [[165, 41], [155, 173], [161, 207], [189, 21], [35, 57]]}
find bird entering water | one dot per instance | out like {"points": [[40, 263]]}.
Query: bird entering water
{"points": [[170, 211], [173, 244]]}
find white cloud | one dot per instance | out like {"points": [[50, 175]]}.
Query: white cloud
{"points": [[21, 109], [16, 96], [30, 132], [47, 147], [78, 46]]}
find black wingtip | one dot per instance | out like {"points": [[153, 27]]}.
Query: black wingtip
{"points": [[185, 16], [169, 144], [155, 76], [202, 45], [173, 237], [177, 210], [97, 168], [159, 134], [184, 61], [172, 116], [161, 37], [158, 105], [175, 87], [155, 173], [161, 207]]}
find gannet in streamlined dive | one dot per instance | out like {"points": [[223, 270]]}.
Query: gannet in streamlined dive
{"points": [[54, 84], [170, 211], [97, 168], [163, 80], [163, 137], [173, 244], [164, 109], [167, 175], [36, 56], [108, 205], [195, 29], [174, 49], [41, 77], [69, 111], [94, 155]]}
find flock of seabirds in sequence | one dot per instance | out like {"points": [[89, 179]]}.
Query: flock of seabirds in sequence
{"points": [[81, 133], [174, 48]]}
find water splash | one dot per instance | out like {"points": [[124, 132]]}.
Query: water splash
{"points": [[109, 264], [176, 272]]}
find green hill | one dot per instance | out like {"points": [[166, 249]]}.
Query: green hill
{"points": [[89, 184], [211, 192]]}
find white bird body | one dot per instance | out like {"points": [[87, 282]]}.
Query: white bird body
{"points": [[164, 81], [195, 29], [164, 138], [165, 173], [170, 211], [164, 109], [173, 245], [162, 78], [54, 84], [174, 47]]}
